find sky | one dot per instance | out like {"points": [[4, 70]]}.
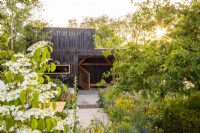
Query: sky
{"points": [[58, 12]]}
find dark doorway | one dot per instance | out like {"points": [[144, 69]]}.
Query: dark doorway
{"points": [[91, 69]]}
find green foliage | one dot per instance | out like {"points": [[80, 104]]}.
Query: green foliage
{"points": [[4, 56], [160, 75], [53, 67], [16, 14], [181, 120], [32, 31], [72, 23], [4, 34], [90, 22], [101, 97], [62, 88], [75, 106], [130, 112], [61, 114], [41, 124], [29, 93], [23, 96], [98, 126], [106, 53], [106, 37], [125, 127], [169, 67], [9, 76], [194, 102], [34, 123]]}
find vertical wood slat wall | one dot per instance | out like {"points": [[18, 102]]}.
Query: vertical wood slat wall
{"points": [[68, 44]]}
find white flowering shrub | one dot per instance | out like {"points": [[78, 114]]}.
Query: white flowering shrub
{"points": [[26, 93]]}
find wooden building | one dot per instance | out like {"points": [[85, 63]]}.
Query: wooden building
{"points": [[74, 47]]}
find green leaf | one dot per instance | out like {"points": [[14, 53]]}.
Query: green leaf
{"points": [[41, 124], [47, 104], [16, 102], [10, 122], [54, 105], [59, 91], [106, 53], [54, 122], [49, 124], [43, 68], [48, 68], [36, 96], [44, 57], [53, 67], [23, 96], [9, 76], [36, 55], [48, 55], [42, 106], [14, 59], [35, 99], [51, 49], [40, 79], [64, 87], [19, 124], [20, 77], [34, 123], [45, 50], [48, 78]]}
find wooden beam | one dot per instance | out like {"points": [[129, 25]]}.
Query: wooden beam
{"points": [[92, 85], [109, 62], [81, 61]]}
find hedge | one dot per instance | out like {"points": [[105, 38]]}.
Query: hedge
{"points": [[181, 120]]}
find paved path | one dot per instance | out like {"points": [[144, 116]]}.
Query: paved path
{"points": [[88, 108]]}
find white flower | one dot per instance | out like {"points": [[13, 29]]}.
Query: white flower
{"points": [[24, 70], [3, 126], [2, 85], [4, 110], [188, 85], [25, 66], [38, 45], [26, 129], [20, 55]]}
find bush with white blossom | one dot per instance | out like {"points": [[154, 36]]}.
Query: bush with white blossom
{"points": [[27, 91]]}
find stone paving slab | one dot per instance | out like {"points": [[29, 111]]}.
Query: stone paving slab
{"points": [[87, 99], [86, 115], [88, 107]]}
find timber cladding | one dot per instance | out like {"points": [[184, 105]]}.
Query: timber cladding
{"points": [[69, 44]]}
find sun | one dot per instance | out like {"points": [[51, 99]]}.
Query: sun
{"points": [[160, 32]]}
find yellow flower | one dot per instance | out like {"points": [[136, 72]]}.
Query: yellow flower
{"points": [[134, 107]]}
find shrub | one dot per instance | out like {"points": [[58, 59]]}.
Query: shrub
{"points": [[181, 120], [181, 114], [134, 110], [194, 102], [27, 91], [101, 96], [59, 83]]}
